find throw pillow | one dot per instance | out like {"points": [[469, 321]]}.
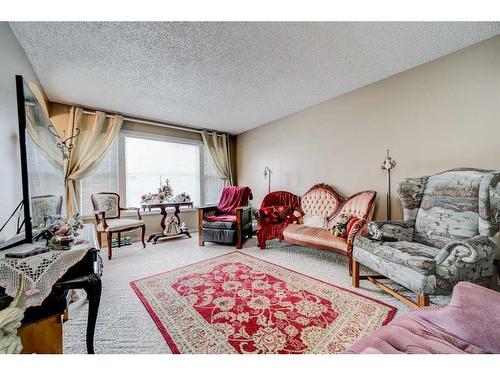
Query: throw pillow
{"points": [[315, 221], [275, 214], [343, 225], [295, 217]]}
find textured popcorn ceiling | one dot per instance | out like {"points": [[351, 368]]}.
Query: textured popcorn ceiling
{"points": [[228, 76]]}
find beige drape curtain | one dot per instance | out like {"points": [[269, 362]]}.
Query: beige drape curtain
{"points": [[96, 135], [218, 148]]}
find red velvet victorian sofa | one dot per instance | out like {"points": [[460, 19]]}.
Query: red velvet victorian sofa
{"points": [[312, 219]]}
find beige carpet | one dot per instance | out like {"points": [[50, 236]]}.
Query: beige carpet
{"points": [[124, 325]]}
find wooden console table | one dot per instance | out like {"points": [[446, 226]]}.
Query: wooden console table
{"points": [[163, 210]]}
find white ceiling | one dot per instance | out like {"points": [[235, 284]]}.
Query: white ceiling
{"points": [[228, 76]]}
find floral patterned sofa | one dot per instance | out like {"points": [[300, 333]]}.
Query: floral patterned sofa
{"points": [[446, 236]]}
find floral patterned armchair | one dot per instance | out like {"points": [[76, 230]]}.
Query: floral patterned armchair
{"points": [[446, 236], [107, 213]]}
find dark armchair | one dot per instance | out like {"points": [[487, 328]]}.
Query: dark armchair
{"points": [[230, 221]]}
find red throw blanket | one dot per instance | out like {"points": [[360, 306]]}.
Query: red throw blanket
{"points": [[232, 198]]}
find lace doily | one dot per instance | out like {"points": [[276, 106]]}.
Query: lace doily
{"points": [[43, 270]]}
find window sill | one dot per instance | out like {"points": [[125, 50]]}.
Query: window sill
{"points": [[145, 213]]}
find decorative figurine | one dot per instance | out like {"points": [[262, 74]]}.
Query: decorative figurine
{"points": [[182, 197]]}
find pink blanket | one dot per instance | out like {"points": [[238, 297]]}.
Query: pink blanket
{"points": [[232, 198], [469, 324]]}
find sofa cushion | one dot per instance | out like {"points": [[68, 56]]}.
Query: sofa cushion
{"points": [[219, 224], [222, 217], [225, 236], [416, 256], [115, 225], [314, 237], [315, 221], [449, 208]]}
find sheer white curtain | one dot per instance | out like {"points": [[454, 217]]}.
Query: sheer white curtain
{"points": [[218, 148], [36, 126]]}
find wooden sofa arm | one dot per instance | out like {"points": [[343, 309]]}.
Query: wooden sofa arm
{"points": [[358, 225]]}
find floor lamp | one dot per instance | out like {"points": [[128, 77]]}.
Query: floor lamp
{"points": [[388, 164], [267, 175]]}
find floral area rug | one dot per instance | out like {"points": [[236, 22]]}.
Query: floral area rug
{"points": [[236, 303]]}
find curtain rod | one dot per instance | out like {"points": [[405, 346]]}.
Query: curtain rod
{"points": [[155, 123]]}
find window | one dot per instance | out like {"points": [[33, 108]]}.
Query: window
{"points": [[103, 179], [212, 183], [46, 175], [136, 164], [150, 162]]}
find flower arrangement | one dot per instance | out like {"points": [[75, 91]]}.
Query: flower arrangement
{"points": [[388, 163], [62, 235], [165, 194]]}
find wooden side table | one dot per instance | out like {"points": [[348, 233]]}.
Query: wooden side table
{"points": [[163, 210]]}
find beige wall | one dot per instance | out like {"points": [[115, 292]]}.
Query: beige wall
{"points": [[13, 61], [440, 115]]}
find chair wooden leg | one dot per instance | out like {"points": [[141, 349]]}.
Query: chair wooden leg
{"points": [[110, 251], [99, 239], [143, 234], [200, 228], [261, 240], [422, 300], [200, 237], [355, 273], [119, 239], [239, 238]]}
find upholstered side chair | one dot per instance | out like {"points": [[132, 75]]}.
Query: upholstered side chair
{"points": [[446, 236], [107, 213], [45, 208], [277, 210]]}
